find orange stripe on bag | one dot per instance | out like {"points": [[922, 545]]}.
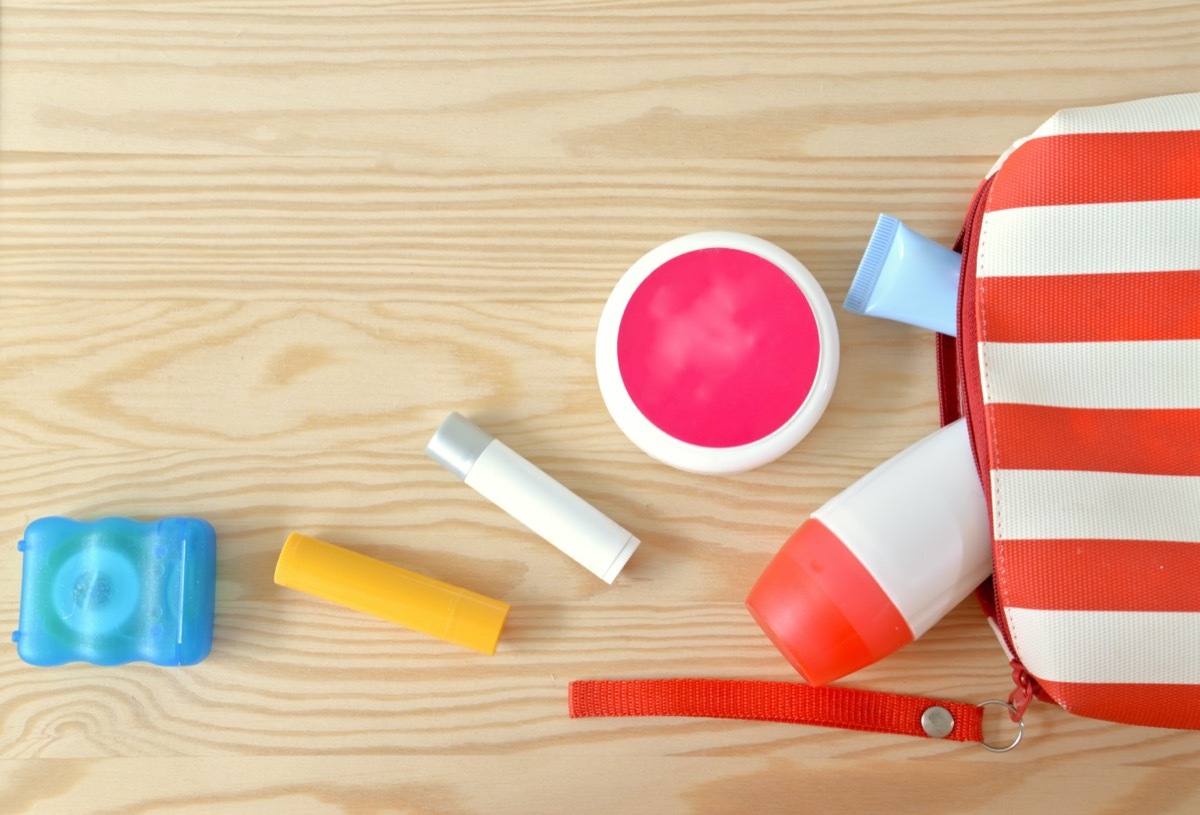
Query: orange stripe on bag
{"points": [[1156, 441], [1116, 307], [1101, 575], [1147, 705], [1104, 168]]}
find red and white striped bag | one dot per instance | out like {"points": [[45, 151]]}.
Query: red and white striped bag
{"points": [[1077, 365], [1078, 368]]}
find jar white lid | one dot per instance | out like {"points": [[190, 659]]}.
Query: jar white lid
{"points": [[717, 352]]}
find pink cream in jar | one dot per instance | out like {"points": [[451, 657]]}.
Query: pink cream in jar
{"points": [[717, 352]]}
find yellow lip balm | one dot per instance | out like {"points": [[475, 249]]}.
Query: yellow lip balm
{"points": [[397, 595]]}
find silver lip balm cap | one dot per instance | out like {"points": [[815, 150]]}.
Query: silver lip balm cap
{"points": [[458, 444]]}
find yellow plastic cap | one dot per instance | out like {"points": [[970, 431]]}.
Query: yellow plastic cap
{"points": [[397, 595]]}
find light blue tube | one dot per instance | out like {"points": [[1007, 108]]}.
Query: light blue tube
{"points": [[904, 276]]}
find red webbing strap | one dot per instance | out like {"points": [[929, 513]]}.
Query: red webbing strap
{"points": [[789, 702]]}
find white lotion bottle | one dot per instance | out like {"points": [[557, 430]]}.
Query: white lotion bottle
{"points": [[880, 563], [525, 492]]}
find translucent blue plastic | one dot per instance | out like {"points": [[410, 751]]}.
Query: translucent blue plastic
{"points": [[116, 591]]}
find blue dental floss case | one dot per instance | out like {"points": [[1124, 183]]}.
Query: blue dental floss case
{"points": [[116, 590]]}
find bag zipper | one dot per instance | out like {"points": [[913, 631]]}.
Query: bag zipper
{"points": [[961, 392]]}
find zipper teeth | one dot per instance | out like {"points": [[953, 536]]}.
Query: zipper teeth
{"points": [[970, 260], [968, 368]]}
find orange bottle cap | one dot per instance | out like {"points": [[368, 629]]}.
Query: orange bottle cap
{"points": [[822, 608]]}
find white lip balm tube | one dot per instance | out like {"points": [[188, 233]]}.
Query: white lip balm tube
{"points": [[535, 499]]}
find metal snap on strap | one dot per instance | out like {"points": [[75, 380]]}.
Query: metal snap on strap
{"points": [[1020, 727], [937, 722]]}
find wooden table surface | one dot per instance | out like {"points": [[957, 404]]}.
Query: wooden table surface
{"points": [[252, 253]]}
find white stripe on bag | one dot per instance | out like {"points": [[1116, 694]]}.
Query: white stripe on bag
{"points": [[1141, 236], [1078, 646], [1105, 375], [1180, 111], [1071, 504]]}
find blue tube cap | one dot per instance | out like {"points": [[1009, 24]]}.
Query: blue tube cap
{"points": [[907, 277], [871, 265]]}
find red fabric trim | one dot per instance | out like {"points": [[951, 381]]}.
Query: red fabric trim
{"points": [[1125, 306], [968, 346], [1097, 168], [947, 373], [788, 702], [949, 367], [968, 399]]}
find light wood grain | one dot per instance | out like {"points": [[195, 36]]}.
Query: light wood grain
{"points": [[251, 254]]}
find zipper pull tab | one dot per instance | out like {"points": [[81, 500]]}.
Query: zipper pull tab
{"points": [[1022, 695]]}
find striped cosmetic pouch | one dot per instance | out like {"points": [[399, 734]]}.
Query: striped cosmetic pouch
{"points": [[1077, 365], [1078, 368]]}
